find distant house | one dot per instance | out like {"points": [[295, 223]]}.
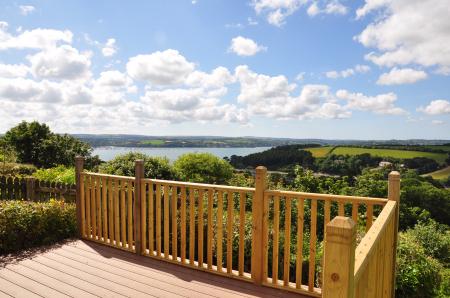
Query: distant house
{"points": [[385, 164]]}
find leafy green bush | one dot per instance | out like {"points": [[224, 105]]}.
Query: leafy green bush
{"points": [[154, 167], [27, 224], [417, 273], [57, 174], [434, 238], [203, 168], [16, 169]]}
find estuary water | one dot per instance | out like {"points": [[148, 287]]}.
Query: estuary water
{"points": [[108, 153]]}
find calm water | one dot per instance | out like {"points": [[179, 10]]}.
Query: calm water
{"points": [[108, 153]]}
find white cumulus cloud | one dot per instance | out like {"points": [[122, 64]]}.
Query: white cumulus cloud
{"points": [[408, 32], [379, 104], [398, 76], [436, 107], [334, 74], [110, 48], [245, 46], [13, 70], [162, 68], [26, 9]]}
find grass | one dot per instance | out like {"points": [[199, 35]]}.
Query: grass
{"points": [[153, 142], [439, 157], [440, 174], [319, 151]]}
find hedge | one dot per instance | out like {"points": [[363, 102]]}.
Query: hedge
{"points": [[27, 224]]}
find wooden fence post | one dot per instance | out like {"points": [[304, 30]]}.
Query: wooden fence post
{"points": [[139, 174], [394, 195], [79, 165], [30, 182], [257, 225], [339, 258]]}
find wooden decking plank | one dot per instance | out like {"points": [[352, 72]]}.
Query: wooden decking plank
{"points": [[69, 279], [178, 284], [67, 270], [195, 276], [44, 279], [152, 280], [124, 285], [15, 290], [30, 284]]}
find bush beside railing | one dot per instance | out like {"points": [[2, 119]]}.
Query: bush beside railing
{"points": [[204, 226]]}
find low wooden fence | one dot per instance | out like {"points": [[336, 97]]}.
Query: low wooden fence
{"points": [[15, 188], [246, 233]]}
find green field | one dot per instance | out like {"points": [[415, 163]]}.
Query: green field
{"points": [[153, 142], [439, 157], [440, 174], [319, 151]]}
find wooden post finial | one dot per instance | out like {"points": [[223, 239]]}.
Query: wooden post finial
{"points": [[339, 258]]}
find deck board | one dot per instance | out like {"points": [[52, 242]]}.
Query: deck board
{"points": [[87, 269]]}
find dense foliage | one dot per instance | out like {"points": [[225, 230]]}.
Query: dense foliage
{"points": [[421, 164], [203, 168], [348, 165], [57, 174], [124, 165], [28, 224], [276, 158], [35, 144]]}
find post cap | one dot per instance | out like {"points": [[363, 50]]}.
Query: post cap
{"points": [[342, 227], [394, 175], [261, 168]]}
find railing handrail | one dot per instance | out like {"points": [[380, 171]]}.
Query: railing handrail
{"points": [[200, 185], [367, 245], [321, 196]]}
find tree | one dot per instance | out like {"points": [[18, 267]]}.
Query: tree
{"points": [[37, 145], [154, 167], [203, 168]]}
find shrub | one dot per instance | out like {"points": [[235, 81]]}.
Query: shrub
{"points": [[417, 274], [154, 167], [27, 224], [57, 174], [203, 168], [16, 169]]}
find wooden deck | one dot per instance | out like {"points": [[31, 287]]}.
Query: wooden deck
{"points": [[86, 269]]}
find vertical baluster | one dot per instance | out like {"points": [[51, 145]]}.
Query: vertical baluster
{"points": [[341, 208], [88, 206], [191, 226], [123, 220], [276, 238], [105, 209], [200, 228], [151, 220], [158, 220], [312, 245], [369, 215], [241, 232], [130, 214], [93, 209], [219, 229], [287, 242], [355, 213], [210, 228], [166, 220], [327, 215], [82, 205], [230, 232], [265, 238], [143, 216], [99, 208], [183, 225], [111, 211], [299, 260], [116, 211], [174, 223]]}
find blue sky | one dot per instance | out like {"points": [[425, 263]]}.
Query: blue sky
{"points": [[292, 68]]}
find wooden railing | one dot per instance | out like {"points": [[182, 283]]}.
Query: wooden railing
{"points": [[31, 189], [246, 233]]}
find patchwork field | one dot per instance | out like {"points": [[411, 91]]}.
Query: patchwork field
{"points": [[439, 157], [440, 174], [319, 151]]}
